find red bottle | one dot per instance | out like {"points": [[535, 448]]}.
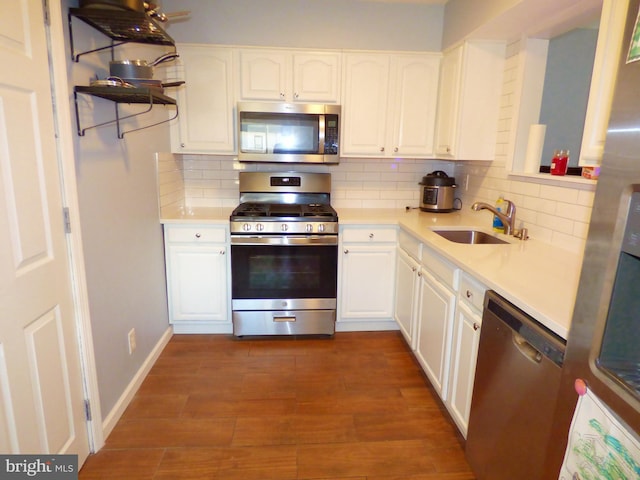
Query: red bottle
{"points": [[559, 162]]}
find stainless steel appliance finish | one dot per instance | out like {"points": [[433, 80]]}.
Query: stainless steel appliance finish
{"points": [[437, 192], [284, 255], [609, 269], [514, 394], [288, 132]]}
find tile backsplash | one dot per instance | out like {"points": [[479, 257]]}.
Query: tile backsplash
{"points": [[212, 181]]}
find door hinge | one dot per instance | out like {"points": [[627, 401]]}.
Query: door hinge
{"points": [[87, 410], [67, 220], [47, 15]]}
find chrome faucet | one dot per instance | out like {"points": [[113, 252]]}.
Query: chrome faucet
{"points": [[508, 218]]}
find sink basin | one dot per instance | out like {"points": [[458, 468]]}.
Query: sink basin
{"points": [[471, 237]]}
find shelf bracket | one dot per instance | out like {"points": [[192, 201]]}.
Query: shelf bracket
{"points": [[121, 134], [76, 57], [119, 119]]}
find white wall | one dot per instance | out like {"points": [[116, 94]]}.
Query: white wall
{"points": [[309, 23], [122, 237]]}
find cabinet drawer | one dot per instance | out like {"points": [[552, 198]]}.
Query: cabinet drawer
{"points": [[442, 269], [369, 235], [195, 234], [410, 244], [472, 291]]}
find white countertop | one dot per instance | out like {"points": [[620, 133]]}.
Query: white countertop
{"points": [[537, 277]]}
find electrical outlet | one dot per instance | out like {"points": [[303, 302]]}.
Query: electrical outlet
{"points": [[132, 340]]}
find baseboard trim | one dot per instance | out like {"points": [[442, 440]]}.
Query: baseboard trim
{"points": [[365, 326], [123, 402]]}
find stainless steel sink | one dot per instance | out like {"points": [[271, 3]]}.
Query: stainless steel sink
{"points": [[471, 237]]}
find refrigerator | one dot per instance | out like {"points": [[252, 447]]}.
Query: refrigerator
{"points": [[597, 415]]}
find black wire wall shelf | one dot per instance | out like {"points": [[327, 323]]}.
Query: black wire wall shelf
{"points": [[123, 95]]}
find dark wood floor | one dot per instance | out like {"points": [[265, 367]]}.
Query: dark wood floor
{"points": [[353, 407]]}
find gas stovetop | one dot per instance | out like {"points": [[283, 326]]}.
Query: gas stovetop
{"points": [[274, 218], [291, 212], [283, 204]]}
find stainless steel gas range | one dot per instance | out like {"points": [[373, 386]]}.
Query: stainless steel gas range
{"points": [[284, 255]]}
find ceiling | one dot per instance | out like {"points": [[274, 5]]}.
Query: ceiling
{"points": [[423, 2]]}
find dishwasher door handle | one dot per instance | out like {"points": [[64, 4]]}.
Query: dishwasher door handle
{"points": [[525, 348]]}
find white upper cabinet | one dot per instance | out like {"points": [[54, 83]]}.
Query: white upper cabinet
{"points": [[316, 77], [205, 123], [289, 76], [364, 109], [469, 101], [389, 104], [603, 80]]}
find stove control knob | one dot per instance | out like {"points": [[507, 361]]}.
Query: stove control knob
{"points": [[284, 227], [259, 227], [309, 227], [246, 227], [321, 228]]}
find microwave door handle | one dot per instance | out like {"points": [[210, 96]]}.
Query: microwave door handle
{"points": [[321, 136]]}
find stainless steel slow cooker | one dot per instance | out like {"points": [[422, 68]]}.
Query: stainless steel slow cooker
{"points": [[437, 192]]}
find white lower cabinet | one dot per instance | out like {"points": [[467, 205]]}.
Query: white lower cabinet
{"points": [[464, 351], [367, 276], [198, 278], [435, 327], [406, 305], [409, 253], [438, 308]]}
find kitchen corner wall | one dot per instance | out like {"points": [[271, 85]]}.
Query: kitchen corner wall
{"points": [[119, 221], [554, 214], [212, 181]]}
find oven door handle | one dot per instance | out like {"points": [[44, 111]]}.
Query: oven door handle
{"points": [[284, 240]]}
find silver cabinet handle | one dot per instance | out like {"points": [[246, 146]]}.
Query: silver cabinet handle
{"points": [[182, 145], [413, 269], [296, 95], [346, 250], [395, 150], [476, 327], [469, 294], [198, 235], [371, 235], [382, 149], [222, 252], [281, 95]]}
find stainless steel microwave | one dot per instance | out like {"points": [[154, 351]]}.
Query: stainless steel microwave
{"points": [[288, 132]]}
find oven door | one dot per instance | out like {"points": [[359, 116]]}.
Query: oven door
{"points": [[284, 272], [284, 285]]}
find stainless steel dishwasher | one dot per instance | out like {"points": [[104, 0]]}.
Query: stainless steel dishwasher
{"points": [[514, 394]]}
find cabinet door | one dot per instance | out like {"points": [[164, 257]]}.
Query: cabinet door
{"points": [[448, 102], [364, 114], [463, 368], [435, 321], [367, 281], [263, 74], [406, 296], [205, 121], [197, 282], [316, 77], [414, 96]]}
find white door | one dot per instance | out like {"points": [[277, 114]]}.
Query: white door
{"points": [[41, 394]]}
